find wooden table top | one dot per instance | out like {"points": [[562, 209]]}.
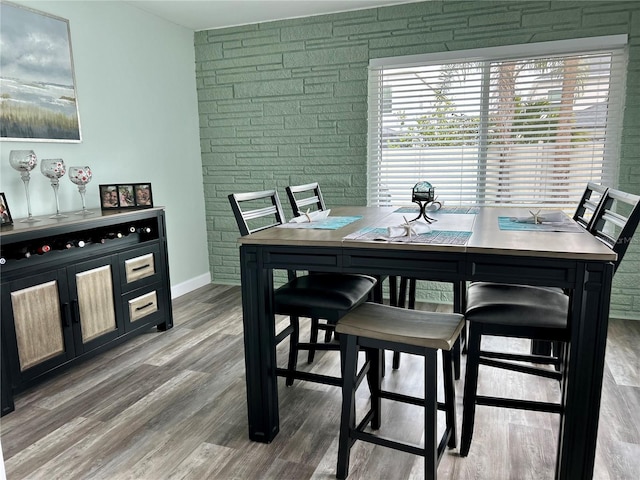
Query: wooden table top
{"points": [[486, 238]]}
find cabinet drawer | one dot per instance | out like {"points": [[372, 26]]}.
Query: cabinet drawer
{"points": [[143, 306], [140, 267]]}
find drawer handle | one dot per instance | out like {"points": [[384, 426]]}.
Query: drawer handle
{"points": [[144, 306], [141, 267]]}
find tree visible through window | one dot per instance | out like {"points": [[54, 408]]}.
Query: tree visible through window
{"points": [[510, 131]]}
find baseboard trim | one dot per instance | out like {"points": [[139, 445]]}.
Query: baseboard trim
{"points": [[618, 315], [190, 285]]}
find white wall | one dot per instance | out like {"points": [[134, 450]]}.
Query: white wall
{"points": [[135, 80]]}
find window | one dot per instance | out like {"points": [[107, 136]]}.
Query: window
{"points": [[524, 125]]}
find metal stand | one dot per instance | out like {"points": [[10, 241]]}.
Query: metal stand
{"points": [[423, 210]]}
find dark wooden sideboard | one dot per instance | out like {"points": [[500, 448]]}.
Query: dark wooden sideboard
{"points": [[74, 287]]}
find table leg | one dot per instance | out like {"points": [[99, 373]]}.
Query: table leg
{"points": [[459, 306], [259, 350], [583, 373]]}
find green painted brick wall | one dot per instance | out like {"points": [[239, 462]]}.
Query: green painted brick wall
{"points": [[285, 102]]}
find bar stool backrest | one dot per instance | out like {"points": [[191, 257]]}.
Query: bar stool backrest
{"points": [[616, 220], [303, 197], [591, 198], [255, 211]]}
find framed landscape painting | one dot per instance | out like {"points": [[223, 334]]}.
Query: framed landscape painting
{"points": [[37, 84]]}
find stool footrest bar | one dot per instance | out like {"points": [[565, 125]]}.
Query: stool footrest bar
{"points": [[314, 377]]}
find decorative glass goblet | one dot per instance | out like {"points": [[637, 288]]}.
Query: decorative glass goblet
{"points": [[81, 176], [24, 161], [53, 169]]}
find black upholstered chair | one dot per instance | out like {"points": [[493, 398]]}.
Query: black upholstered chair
{"points": [[308, 198], [326, 296], [305, 198], [535, 313], [374, 328], [584, 216]]}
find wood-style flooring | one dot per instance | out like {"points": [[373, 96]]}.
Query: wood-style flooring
{"points": [[171, 405]]}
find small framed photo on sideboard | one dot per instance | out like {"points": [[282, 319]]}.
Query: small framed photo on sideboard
{"points": [[109, 197], [125, 196], [143, 195], [5, 214]]}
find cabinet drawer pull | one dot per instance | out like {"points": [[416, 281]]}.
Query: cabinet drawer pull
{"points": [[141, 267], [144, 306]]}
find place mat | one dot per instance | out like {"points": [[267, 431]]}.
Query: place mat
{"points": [[442, 222], [508, 224], [329, 223], [435, 237], [473, 210]]}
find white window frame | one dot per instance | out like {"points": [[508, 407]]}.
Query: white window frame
{"points": [[617, 43]]}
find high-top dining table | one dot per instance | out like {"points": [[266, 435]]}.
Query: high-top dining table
{"points": [[572, 260]]}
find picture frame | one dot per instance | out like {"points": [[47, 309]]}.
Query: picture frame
{"points": [[5, 213], [142, 193], [108, 197], [51, 115], [123, 196]]}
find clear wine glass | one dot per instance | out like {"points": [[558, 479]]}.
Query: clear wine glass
{"points": [[24, 161], [54, 169], [81, 176]]}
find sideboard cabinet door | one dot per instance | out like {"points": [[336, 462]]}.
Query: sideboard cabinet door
{"points": [[36, 323], [93, 292]]}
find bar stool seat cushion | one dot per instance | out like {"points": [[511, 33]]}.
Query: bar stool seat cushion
{"points": [[327, 296], [410, 327], [517, 305]]}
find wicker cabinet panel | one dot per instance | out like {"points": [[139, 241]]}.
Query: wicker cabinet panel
{"points": [[95, 302], [38, 324]]}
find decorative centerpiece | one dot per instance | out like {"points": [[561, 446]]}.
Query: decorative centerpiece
{"points": [[81, 176], [54, 169], [424, 195], [24, 161]]}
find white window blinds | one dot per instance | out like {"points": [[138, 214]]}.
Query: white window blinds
{"points": [[495, 127]]}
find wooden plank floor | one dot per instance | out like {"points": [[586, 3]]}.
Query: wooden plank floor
{"points": [[172, 406]]}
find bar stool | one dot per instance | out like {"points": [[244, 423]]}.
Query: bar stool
{"points": [[326, 296], [309, 197], [535, 313], [376, 327]]}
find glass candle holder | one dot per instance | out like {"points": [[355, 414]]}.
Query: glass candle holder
{"points": [[81, 176], [54, 169], [24, 161]]}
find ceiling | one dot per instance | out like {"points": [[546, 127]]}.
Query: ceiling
{"points": [[209, 14]]}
